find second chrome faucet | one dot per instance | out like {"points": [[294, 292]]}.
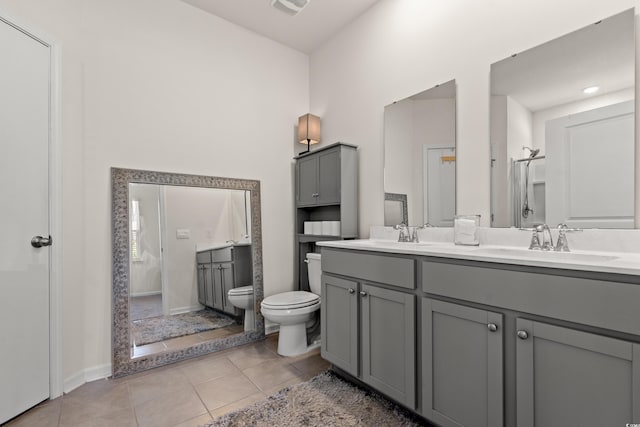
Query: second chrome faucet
{"points": [[546, 244]]}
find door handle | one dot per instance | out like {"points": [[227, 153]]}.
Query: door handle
{"points": [[39, 241]]}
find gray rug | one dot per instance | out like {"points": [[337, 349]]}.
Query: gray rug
{"points": [[325, 400], [147, 331]]}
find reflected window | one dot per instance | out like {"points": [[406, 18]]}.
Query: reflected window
{"points": [[135, 231]]}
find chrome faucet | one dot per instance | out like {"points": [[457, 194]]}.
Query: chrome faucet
{"points": [[547, 238], [404, 232], [409, 233]]}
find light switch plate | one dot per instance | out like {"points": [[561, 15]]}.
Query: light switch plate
{"points": [[183, 233]]}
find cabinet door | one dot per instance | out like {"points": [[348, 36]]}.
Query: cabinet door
{"points": [[202, 296], [208, 284], [389, 342], [218, 298], [339, 323], [329, 177], [568, 377], [307, 181], [226, 271], [461, 365]]}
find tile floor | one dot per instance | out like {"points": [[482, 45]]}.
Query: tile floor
{"points": [[184, 394]]}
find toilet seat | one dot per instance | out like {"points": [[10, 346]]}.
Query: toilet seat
{"points": [[242, 290], [290, 300]]}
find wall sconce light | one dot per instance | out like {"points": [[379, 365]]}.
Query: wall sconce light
{"points": [[308, 130]]}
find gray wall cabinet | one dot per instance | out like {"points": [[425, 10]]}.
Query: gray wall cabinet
{"points": [[568, 377], [326, 190], [492, 344], [220, 270], [462, 365]]}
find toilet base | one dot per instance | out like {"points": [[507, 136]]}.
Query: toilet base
{"points": [[292, 340], [249, 320]]}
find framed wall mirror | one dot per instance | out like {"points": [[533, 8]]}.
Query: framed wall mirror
{"points": [[181, 244], [420, 157], [563, 130]]}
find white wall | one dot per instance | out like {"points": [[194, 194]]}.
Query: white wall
{"points": [[160, 85], [401, 47]]}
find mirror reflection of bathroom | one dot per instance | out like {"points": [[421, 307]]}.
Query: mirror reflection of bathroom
{"points": [[560, 112], [420, 157], [190, 266]]}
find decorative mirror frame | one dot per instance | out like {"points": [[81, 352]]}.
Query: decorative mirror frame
{"points": [[401, 199], [122, 362]]}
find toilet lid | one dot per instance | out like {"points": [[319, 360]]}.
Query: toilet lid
{"points": [[242, 290], [290, 300]]}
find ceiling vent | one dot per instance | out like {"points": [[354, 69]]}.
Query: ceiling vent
{"points": [[290, 7]]}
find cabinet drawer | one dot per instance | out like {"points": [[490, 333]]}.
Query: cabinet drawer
{"points": [[222, 255], [376, 268], [203, 257], [603, 304]]}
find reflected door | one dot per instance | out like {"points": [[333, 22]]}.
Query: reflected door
{"points": [[590, 168], [440, 186], [24, 191]]}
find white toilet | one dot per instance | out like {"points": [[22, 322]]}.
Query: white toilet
{"points": [[292, 311], [242, 298]]}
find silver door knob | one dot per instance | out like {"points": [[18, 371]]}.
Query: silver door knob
{"points": [[351, 290], [39, 241], [363, 293], [523, 335], [492, 327]]}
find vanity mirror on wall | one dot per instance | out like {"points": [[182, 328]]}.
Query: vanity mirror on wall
{"points": [[186, 256], [562, 130], [420, 158]]}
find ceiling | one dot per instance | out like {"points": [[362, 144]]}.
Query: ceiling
{"points": [[556, 72], [305, 32]]}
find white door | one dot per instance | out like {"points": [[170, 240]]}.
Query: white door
{"points": [[590, 168], [24, 213], [440, 186]]}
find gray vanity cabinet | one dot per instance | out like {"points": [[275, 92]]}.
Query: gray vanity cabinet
{"points": [[369, 331], [462, 366], [569, 377], [220, 270]]}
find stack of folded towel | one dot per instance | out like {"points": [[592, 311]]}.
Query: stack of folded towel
{"points": [[464, 231]]}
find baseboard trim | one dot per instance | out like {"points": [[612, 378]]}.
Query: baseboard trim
{"points": [[181, 310], [146, 294], [85, 376]]}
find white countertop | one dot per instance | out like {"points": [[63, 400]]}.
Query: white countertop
{"points": [[597, 261], [201, 247]]}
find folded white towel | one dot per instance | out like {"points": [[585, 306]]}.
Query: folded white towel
{"points": [[464, 231]]}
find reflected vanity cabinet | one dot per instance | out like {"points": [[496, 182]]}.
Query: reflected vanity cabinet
{"points": [[220, 270], [326, 188]]}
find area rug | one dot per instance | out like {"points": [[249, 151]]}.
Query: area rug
{"points": [[147, 331], [325, 400]]}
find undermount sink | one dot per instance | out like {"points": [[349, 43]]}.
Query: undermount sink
{"points": [[547, 255]]}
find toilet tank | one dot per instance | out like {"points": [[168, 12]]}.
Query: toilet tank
{"points": [[315, 272]]}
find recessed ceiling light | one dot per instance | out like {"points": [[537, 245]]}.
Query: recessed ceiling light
{"points": [[590, 89]]}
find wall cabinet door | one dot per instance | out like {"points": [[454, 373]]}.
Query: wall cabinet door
{"points": [[462, 365], [329, 177], [339, 323], [569, 377], [389, 342], [307, 171]]}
